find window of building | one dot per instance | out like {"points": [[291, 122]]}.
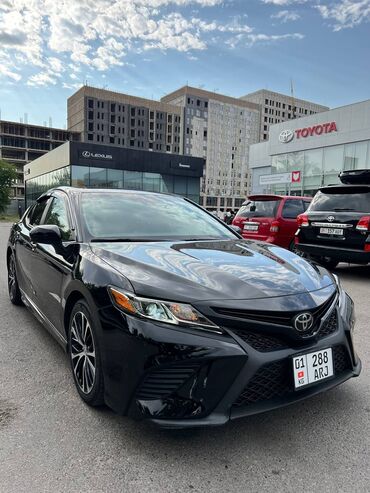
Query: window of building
{"points": [[91, 103], [112, 129], [90, 137], [132, 111], [113, 107], [132, 143], [91, 115], [91, 126], [111, 140]]}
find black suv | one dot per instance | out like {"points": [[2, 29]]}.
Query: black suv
{"points": [[336, 226]]}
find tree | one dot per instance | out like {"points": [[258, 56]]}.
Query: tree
{"points": [[8, 175]]}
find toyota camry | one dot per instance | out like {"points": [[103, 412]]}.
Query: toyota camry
{"points": [[169, 315]]}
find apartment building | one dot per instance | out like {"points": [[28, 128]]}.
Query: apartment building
{"points": [[220, 129], [277, 108], [21, 143], [112, 118]]}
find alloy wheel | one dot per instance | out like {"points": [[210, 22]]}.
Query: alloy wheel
{"points": [[12, 279], [83, 352]]}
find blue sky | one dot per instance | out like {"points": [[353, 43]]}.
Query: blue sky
{"points": [[151, 47]]}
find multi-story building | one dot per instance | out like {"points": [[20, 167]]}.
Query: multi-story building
{"points": [[21, 143], [112, 118], [277, 108], [220, 129]]}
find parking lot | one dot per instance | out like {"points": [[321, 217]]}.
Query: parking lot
{"points": [[51, 441]]}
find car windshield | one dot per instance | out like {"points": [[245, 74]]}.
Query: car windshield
{"points": [[145, 216], [259, 208], [345, 200]]}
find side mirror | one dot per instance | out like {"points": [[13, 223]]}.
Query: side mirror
{"points": [[48, 234]]}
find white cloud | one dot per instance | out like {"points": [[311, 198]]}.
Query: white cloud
{"points": [[346, 13], [284, 2], [252, 39], [78, 36], [286, 16]]}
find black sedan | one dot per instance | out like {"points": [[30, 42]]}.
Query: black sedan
{"points": [[168, 314]]}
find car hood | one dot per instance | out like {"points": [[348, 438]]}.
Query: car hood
{"points": [[212, 270]]}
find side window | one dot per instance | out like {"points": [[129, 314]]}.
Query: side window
{"points": [[57, 214], [37, 212], [292, 208], [306, 205]]}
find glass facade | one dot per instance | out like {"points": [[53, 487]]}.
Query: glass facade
{"points": [[40, 184], [320, 166], [91, 177]]}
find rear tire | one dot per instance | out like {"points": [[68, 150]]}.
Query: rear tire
{"points": [[13, 287], [84, 355]]}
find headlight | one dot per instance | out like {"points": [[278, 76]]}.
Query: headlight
{"points": [[162, 311]]}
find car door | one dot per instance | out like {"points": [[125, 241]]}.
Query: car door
{"points": [[49, 267], [288, 221], [25, 252]]}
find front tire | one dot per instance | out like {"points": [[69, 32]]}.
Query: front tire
{"points": [[13, 287], [84, 355]]}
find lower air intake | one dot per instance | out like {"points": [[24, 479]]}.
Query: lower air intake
{"points": [[164, 381]]}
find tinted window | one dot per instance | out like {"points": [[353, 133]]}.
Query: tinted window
{"points": [[57, 214], [37, 212], [132, 215], [259, 208], [347, 200], [292, 208], [306, 205]]}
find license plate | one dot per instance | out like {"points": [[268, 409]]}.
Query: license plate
{"points": [[251, 227], [331, 231], [312, 367]]}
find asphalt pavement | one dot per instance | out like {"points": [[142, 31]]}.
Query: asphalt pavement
{"points": [[50, 441]]}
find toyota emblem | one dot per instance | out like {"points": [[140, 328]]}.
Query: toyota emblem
{"points": [[303, 322], [330, 218], [286, 136]]}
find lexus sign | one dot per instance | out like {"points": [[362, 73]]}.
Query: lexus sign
{"points": [[96, 155], [325, 128]]}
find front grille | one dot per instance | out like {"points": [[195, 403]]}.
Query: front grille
{"points": [[275, 380], [274, 318], [269, 382], [164, 381], [330, 325], [341, 360], [260, 342]]}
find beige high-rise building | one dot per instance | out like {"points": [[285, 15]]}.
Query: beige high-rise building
{"points": [[277, 108], [220, 129]]}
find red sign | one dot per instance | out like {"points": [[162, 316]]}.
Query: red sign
{"points": [[325, 128], [296, 177], [300, 374]]}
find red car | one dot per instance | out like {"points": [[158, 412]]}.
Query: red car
{"points": [[271, 218]]}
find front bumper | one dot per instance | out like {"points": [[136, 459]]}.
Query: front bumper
{"points": [[335, 253], [180, 378]]}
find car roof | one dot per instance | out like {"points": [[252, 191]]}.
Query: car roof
{"points": [[80, 191], [342, 186], [266, 196]]}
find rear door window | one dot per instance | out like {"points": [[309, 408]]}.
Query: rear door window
{"points": [[259, 208], [357, 200], [292, 208]]}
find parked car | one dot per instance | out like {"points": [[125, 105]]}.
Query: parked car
{"points": [[167, 314], [271, 218], [336, 226]]}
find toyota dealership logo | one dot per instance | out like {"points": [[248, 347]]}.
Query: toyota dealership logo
{"points": [[303, 322], [286, 136]]}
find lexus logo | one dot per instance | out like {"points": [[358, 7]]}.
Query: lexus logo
{"points": [[303, 322], [330, 218], [95, 155], [286, 136]]}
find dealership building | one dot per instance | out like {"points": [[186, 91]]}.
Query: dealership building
{"points": [[87, 165], [318, 146]]}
